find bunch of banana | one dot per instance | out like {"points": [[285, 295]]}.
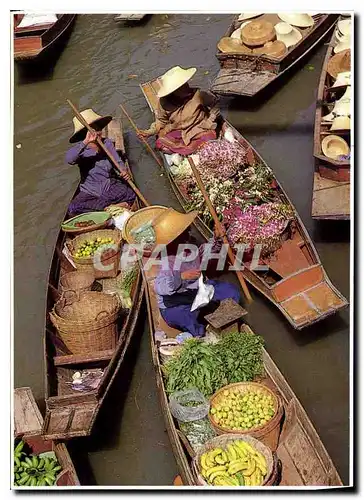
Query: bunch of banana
{"points": [[35, 471], [239, 464]]}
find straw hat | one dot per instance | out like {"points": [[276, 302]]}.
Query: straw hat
{"points": [[96, 121], [344, 44], [300, 20], [339, 62], [287, 34], [257, 33], [344, 27], [243, 17], [273, 49], [341, 123], [173, 79], [237, 33], [343, 78], [232, 45], [170, 224], [334, 146]]}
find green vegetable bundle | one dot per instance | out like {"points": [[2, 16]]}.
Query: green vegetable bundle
{"points": [[197, 365], [242, 356], [237, 357]]}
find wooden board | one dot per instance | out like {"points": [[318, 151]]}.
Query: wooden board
{"points": [[330, 199], [27, 418]]}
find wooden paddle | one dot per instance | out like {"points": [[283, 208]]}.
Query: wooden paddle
{"points": [[137, 130], [111, 158], [219, 227]]}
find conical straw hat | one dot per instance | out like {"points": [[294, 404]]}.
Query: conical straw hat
{"points": [[334, 146], [257, 33], [343, 78], [341, 123], [170, 224], [344, 27], [232, 46], [300, 20], [173, 79], [237, 33], [344, 44], [248, 15], [287, 34], [339, 62], [274, 49], [96, 121]]}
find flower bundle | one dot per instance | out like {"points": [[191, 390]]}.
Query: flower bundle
{"points": [[257, 224], [220, 159]]}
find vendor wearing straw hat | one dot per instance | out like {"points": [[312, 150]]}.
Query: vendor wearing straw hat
{"points": [[177, 288], [99, 186], [184, 118]]}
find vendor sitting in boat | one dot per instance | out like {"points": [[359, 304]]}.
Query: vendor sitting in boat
{"points": [[184, 118], [176, 289], [99, 186]]}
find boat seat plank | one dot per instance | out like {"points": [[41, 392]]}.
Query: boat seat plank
{"points": [[72, 359], [38, 27], [113, 132], [28, 43], [28, 420], [239, 81], [331, 199]]}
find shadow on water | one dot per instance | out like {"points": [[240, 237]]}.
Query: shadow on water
{"points": [[332, 231]]}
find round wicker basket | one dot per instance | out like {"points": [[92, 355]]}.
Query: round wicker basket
{"points": [[80, 281], [221, 442], [269, 432]]}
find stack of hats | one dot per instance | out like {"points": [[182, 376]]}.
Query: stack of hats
{"points": [[342, 36]]}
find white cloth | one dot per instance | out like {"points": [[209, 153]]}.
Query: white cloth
{"points": [[204, 294], [37, 19]]}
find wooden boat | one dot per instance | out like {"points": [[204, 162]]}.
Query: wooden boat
{"points": [[302, 459], [130, 18], [296, 281], [71, 413], [35, 42], [28, 424], [331, 184], [248, 74]]}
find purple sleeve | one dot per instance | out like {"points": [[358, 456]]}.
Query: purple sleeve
{"points": [[74, 153], [167, 282], [216, 246], [110, 147]]}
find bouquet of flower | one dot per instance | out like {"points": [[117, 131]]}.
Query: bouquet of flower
{"points": [[220, 159]]}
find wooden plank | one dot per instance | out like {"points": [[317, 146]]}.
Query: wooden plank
{"points": [[28, 420], [27, 43], [241, 82], [113, 132], [331, 199], [289, 258], [297, 283], [73, 359]]}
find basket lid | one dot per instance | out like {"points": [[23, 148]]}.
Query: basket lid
{"points": [[257, 33], [28, 420]]}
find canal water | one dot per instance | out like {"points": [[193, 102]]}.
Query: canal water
{"points": [[101, 66]]}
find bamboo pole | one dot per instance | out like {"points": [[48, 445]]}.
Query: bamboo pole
{"points": [[219, 227], [137, 130], [111, 158]]}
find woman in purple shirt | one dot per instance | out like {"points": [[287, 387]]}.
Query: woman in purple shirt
{"points": [[99, 185]]}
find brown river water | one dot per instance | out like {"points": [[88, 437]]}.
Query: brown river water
{"points": [[101, 66]]}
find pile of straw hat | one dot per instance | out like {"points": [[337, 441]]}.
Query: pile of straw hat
{"points": [[287, 34], [339, 117], [343, 36], [295, 19]]}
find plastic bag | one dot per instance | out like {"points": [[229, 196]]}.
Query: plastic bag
{"points": [[144, 233], [204, 294], [198, 432], [189, 405]]}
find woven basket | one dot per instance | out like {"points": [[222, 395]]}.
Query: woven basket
{"points": [[139, 218], [91, 263], [267, 433], [86, 322], [221, 442], [79, 281]]}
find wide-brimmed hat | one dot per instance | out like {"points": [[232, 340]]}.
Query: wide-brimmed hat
{"points": [[287, 34], [334, 146], [344, 44], [237, 33], [343, 78], [339, 62], [173, 79], [257, 33], [170, 224], [229, 45], [300, 20], [96, 121], [341, 123], [273, 49], [248, 15], [344, 27]]}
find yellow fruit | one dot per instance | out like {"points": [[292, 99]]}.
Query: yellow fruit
{"points": [[215, 469]]}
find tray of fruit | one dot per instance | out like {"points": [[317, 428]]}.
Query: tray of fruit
{"points": [[233, 460], [86, 222], [243, 407]]}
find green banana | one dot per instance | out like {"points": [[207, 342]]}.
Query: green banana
{"points": [[35, 461], [33, 482], [17, 461], [19, 447], [41, 463], [49, 481], [29, 461], [240, 478]]}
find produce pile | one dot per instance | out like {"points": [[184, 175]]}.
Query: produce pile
{"points": [[85, 223], [239, 464], [220, 159], [34, 470], [122, 285], [88, 248], [237, 357], [239, 411]]}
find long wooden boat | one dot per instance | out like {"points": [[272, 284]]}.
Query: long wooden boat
{"points": [[35, 42], [296, 281], [71, 413], [248, 74], [302, 459], [28, 423], [331, 184]]}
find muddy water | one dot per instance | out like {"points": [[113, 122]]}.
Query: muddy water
{"points": [[101, 66]]}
